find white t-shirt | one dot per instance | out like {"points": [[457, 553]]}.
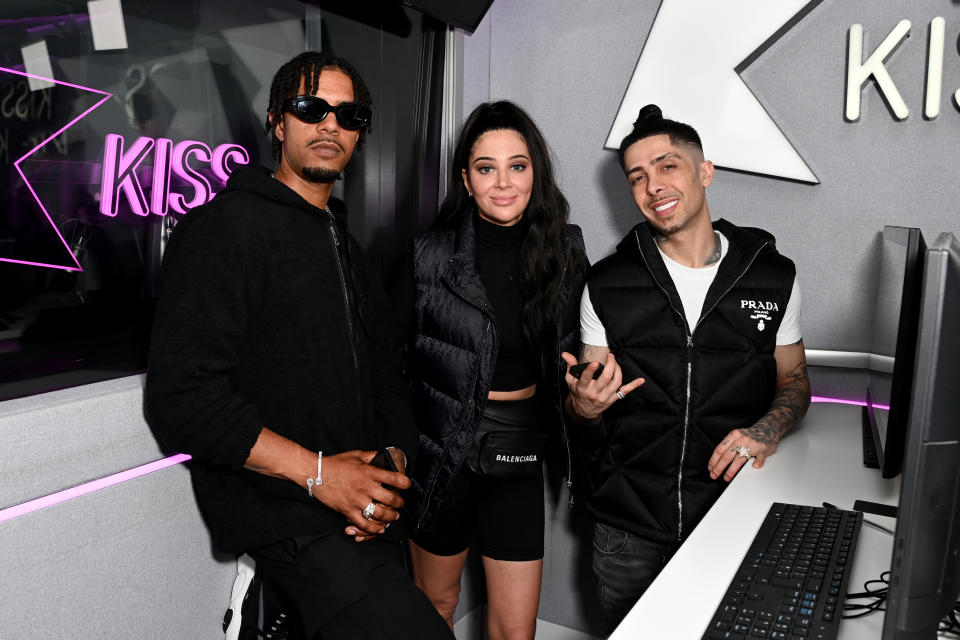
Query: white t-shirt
{"points": [[692, 285]]}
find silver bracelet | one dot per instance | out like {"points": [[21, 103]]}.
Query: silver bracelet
{"points": [[316, 482]]}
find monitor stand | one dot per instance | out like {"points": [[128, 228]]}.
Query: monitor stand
{"points": [[870, 458]]}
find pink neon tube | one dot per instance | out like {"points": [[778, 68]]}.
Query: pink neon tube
{"points": [[102, 483], [89, 487]]}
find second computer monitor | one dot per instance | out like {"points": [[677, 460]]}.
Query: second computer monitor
{"points": [[925, 568], [893, 347]]}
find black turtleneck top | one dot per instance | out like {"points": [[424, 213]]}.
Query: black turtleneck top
{"points": [[498, 248]]}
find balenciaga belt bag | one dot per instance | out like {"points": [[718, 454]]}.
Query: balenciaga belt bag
{"points": [[509, 442]]}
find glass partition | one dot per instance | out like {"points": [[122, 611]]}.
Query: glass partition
{"points": [[116, 118]]}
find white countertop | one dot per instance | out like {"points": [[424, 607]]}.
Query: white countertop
{"points": [[820, 461]]}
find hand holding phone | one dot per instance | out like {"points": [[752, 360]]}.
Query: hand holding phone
{"points": [[384, 459], [391, 459], [577, 370]]}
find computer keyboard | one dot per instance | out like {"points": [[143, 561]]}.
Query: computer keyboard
{"points": [[791, 583]]}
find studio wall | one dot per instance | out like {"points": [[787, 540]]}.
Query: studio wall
{"points": [[569, 64]]}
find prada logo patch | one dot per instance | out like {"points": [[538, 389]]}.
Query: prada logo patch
{"points": [[759, 310]]}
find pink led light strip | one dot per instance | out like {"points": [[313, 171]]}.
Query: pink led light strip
{"points": [[106, 96], [859, 403], [89, 487], [95, 485]]}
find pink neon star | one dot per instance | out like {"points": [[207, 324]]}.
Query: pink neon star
{"points": [[106, 96]]}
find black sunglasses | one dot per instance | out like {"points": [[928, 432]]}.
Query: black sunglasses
{"points": [[313, 109]]}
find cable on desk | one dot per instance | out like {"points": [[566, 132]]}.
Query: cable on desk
{"points": [[878, 594], [871, 591]]}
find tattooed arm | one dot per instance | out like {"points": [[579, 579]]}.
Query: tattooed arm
{"points": [[791, 400], [788, 407]]}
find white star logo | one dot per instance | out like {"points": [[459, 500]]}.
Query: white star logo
{"points": [[690, 67]]}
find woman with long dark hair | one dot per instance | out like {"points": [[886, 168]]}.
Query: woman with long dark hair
{"points": [[496, 297]]}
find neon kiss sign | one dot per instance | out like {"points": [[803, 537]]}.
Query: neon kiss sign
{"points": [[120, 174], [122, 167]]}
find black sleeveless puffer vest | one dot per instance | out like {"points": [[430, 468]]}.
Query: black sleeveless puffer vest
{"points": [[648, 469], [453, 351]]}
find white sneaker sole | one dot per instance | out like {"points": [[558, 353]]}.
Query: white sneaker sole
{"points": [[246, 568]]}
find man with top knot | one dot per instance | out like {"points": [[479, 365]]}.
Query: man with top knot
{"points": [[696, 325]]}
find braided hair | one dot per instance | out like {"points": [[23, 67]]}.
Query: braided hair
{"points": [[650, 122], [307, 67]]}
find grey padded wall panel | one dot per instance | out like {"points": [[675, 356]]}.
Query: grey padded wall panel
{"points": [[833, 382], [133, 560], [57, 440], [130, 561], [476, 66]]}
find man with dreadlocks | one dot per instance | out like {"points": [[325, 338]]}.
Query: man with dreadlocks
{"points": [[271, 365]]}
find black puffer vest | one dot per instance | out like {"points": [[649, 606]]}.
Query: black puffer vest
{"points": [[648, 470], [453, 351]]}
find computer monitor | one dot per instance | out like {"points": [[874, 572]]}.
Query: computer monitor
{"points": [[895, 316], [924, 580]]}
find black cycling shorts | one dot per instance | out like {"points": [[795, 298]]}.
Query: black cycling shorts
{"points": [[507, 516]]}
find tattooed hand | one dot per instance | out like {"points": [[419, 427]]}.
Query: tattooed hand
{"points": [[725, 459], [788, 407]]}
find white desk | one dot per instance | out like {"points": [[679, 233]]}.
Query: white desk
{"points": [[820, 461]]}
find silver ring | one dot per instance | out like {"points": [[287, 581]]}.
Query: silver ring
{"points": [[368, 510], [620, 394], [744, 451]]}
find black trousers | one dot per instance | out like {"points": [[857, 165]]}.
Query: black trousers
{"points": [[346, 590], [625, 565]]}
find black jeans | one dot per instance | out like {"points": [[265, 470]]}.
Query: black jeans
{"points": [[624, 565], [344, 590]]}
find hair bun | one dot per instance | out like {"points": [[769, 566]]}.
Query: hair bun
{"points": [[648, 113]]}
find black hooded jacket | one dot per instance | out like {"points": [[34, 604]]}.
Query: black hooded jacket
{"points": [[648, 469], [270, 316]]}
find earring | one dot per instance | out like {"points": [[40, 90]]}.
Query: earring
{"points": [[469, 195]]}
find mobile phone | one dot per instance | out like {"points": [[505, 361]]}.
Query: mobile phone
{"points": [[577, 370], [385, 460]]}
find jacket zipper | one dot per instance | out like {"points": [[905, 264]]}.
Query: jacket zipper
{"points": [[563, 422], [686, 419], [689, 359], [686, 403], [346, 296], [686, 431]]}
